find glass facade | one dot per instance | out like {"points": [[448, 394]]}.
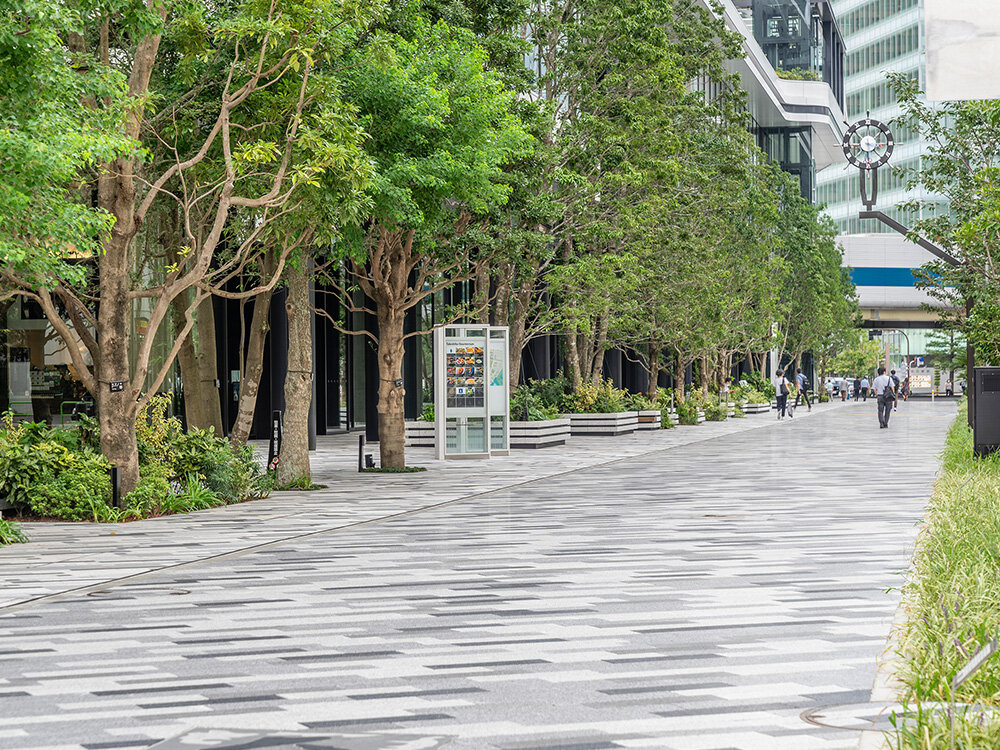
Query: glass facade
{"points": [[800, 39], [881, 36]]}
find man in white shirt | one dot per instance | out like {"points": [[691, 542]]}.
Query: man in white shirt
{"points": [[886, 395], [865, 385]]}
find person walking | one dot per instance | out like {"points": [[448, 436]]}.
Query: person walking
{"points": [[885, 394], [949, 389], [895, 388], [803, 384], [857, 387], [781, 392], [865, 385], [843, 387]]}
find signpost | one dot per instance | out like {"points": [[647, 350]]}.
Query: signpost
{"points": [[471, 391]]}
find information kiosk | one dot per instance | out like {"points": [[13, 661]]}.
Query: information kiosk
{"points": [[471, 391]]}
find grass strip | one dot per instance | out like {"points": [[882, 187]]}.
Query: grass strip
{"points": [[952, 601]]}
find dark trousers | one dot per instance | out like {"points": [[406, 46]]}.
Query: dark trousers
{"points": [[885, 404], [804, 395], [782, 402]]}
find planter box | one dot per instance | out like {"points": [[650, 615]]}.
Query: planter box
{"points": [[542, 434], [649, 419], [419, 434], [674, 419], [618, 423], [756, 408], [701, 416]]}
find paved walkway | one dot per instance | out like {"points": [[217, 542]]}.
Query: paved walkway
{"points": [[699, 597]]}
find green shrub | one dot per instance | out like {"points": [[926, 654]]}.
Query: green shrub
{"points": [[597, 399], [152, 491], [758, 382], [10, 533], [665, 421], [79, 491], [527, 406], [687, 413], [640, 402], [715, 412], [193, 496], [738, 413], [428, 413], [552, 392]]}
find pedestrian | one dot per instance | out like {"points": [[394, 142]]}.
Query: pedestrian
{"points": [[843, 388], [781, 392], [885, 394], [949, 389], [865, 385], [961, 384], [895, 387], [857, 387], [804, 385]]}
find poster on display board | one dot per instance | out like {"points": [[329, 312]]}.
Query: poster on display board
{"points": [[471, 400]]}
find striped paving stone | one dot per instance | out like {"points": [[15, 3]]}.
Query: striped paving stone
{"points": [[698, 598]]}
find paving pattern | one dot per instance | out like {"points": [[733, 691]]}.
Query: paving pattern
{"points": [[697, 598]]}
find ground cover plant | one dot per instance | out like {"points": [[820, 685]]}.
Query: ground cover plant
{"points": [[952, 600], [11, 533], [60, 473]]}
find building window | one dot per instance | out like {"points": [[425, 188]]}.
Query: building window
{"points": [[774, 27]]}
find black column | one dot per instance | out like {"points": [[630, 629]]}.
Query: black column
{"points": [[613, 366], [312, 336], [279, 349], [371, 380], [412, 349]]}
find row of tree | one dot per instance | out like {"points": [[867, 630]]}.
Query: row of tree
{"points": [[155, 154]]}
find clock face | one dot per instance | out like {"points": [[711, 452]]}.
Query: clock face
{"points": [[868, 144]]}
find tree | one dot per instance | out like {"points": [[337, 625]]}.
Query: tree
{"points": [[262, 52], [858, 355], [440, 131], [946, 350], [817, 295], [961, 164]]}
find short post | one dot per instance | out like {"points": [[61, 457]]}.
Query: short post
{"points": [[361, 452], [116, 486]]}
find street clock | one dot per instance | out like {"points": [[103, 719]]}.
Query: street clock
{"points": [[868, 144]]}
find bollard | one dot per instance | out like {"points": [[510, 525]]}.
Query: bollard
{"points": [[361, 452], [116, 486]]}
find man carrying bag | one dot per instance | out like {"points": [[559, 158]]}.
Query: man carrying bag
{"points": [[885, 393]]}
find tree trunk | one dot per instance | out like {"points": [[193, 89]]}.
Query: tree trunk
{"points": [[252, 369], [705, 374], [653, 368], [293, 465], [597, 351], [573, 358], [680, 367], [391, 430], [116, 410], [208, 367]]}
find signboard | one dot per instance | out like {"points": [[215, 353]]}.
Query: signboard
{"points": [[471, 398], [963, 47], [922, 380]]}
